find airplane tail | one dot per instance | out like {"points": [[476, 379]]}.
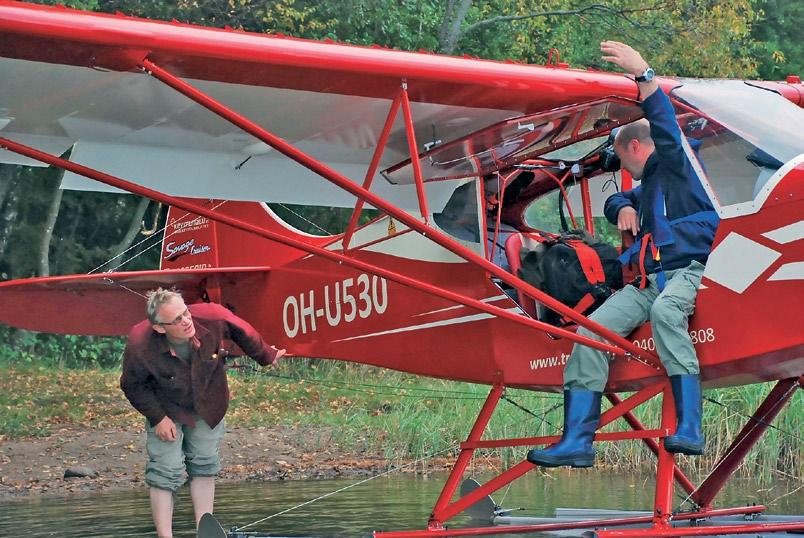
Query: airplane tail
{"points": [[195, 242], [202, 258]]}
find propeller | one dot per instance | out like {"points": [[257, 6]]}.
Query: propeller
{"points": [[485, 509], [209, 527]]}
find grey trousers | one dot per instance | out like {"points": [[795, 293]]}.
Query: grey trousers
{"points": [[668, 312], [196, 450]]}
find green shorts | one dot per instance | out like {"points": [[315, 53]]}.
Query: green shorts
{"points": [[196, 450]]}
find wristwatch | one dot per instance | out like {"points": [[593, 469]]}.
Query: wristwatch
{"points": [[647, 76]]}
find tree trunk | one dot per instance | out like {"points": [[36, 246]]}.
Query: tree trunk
{"points": [[445, 24], [9, 177], [131, 233], [8, 180], [451, 27], [50, 223]]}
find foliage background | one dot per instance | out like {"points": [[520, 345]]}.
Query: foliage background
{"points": [[46, 231]]}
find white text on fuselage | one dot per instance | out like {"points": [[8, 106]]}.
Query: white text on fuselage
{"points": [[175, 251], [343, 301], [549, 362], [189, 225], [697, 336]]}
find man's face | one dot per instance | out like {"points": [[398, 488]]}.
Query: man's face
{"points": [[175, 321], [631, 157]]}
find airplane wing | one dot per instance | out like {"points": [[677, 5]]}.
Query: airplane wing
{"points": [[70, 80], [105, 304]]}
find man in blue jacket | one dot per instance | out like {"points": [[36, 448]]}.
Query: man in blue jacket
{"points": [[675, 223]]}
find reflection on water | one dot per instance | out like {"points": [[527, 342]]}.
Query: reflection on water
{"points": [[389, 503]]}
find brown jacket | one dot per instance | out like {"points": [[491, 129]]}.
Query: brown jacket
{"points": [[159, 384]]}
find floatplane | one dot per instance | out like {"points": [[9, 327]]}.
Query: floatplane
{"points": [[451, 152]]}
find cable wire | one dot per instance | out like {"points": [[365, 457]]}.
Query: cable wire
{"points": [[153, 237], [366, 388], [330, 494], [757, 420], [305, 219], [735, 447]]}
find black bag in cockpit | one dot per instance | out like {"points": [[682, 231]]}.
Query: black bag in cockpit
{"points": [[575, 269]]}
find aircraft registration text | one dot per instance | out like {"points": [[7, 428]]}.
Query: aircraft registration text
{"points": [[698, 336], [343, 301]]}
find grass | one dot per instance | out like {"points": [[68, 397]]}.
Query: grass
{"points": [[399, 415]]}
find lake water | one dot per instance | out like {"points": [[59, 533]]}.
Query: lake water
{"points": [[386, 503]]}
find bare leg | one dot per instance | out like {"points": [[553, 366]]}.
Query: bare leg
{"points": [[162, 510], [202, 491]]}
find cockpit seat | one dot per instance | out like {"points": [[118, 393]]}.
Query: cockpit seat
{"points": [[513, 248]]}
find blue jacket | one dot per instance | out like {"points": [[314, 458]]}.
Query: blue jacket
{"points": [[670, 201]]}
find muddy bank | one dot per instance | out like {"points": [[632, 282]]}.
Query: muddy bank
{"points": [[36, 466]]}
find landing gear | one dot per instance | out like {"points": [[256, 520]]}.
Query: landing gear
{"points": [[663, 520]]}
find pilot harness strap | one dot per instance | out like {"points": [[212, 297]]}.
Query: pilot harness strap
{"points": [[642, 243], [593, 270], [661, 280]]}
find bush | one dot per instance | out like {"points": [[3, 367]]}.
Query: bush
{"points": [[57, 350]]}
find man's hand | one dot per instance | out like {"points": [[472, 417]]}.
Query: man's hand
{"points": [[279, 354], [631, 61], [624, 56], [628, 220], [166, 430]]}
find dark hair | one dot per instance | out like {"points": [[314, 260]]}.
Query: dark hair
{"points": [[639, 130]]}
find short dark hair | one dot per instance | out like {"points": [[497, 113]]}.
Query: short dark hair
{"points": [[638, 130]]}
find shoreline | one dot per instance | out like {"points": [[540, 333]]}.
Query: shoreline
{"points": [[33, 467], [315, 421]]}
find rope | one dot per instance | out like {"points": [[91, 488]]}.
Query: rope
{"points": [[352, 386], [434, 394], [757, 420], [780, 497], [725, 456], [543, 417], [330, 494], [305, 219], [367, 388], [157, 240]]}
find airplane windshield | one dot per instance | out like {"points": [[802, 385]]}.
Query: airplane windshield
{"points": [[516, 140], [741, 134], [577, 151], [761, 117]]}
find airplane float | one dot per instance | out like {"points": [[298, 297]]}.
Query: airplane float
{"points": [[452, 151]]}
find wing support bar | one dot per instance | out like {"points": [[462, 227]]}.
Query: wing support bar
{"points": [[290, 241], [372, 170], [403, 100], [624, 347], [417, 166]]}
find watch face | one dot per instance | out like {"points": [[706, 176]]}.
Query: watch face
{"points": [[647, 76]]}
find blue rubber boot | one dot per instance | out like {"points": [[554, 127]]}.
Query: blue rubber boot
{"points": [[581, 417], [688, 438]]}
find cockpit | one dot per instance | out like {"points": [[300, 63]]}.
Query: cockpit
{"points": [[551, 173]]}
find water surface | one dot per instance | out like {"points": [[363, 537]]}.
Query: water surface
{"points": [[386, 503]]}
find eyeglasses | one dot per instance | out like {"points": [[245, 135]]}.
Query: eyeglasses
{"points": [[179, 318]]}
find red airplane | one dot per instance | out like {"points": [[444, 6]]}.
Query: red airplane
{"points": [[452, 152]]}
